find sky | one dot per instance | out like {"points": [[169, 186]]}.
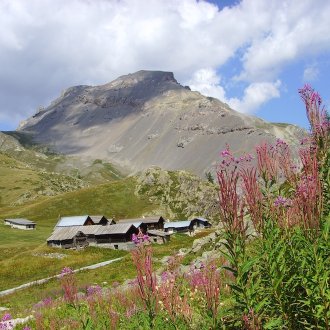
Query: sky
{"points": [[252, 54]]}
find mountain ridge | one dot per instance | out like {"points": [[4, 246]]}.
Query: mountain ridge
{"points": [[147, 118]]}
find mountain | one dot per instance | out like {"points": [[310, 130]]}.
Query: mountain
{"points": [[148, 118]]}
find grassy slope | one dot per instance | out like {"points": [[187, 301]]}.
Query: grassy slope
{"points": [[17, 264], [15, 179], [20, 182], [21, 302]]}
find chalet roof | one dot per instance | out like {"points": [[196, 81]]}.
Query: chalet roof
{"points": [[177, 224], [62, 233], [119, 228], [154, 232], [72, 221], [144, 220], [136, 224], [20, 221], [97, 218], [201, 219]]}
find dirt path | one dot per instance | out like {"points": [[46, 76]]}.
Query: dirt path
{"points": [[44, 280]]}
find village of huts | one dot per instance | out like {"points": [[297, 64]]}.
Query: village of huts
{"points": [[97, 230]]}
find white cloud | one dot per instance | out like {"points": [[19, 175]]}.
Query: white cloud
{"points": [[207, 82], [255, 95], [46, 45], [296, 29], [311, 73]]}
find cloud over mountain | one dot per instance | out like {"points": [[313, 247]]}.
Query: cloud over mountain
{"points": [[46, 46]]}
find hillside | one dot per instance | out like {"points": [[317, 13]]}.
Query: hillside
{"points": [[21, 183], [181, 194], [29, 172], [147, 118]]}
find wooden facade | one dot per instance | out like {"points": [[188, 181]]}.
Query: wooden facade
{"points": [[101, 220], [148, 223], [200, 223], [179, 227], [68, 240], [70, 237]]}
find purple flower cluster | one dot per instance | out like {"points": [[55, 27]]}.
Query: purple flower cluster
{"points": [[281, 201], [316, 113], [5, 322], [66, 271], [167, 276], [44, 303], [229, 159], [140, 238], [93, 290], [6, 317]]}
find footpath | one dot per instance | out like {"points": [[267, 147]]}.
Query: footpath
{"points": [[44, 280]]}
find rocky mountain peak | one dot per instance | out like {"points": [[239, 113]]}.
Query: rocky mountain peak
{"points": [[142, 85], [147, 118], [145, 76]]}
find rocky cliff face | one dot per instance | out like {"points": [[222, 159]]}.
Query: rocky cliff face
{"points": [[148, 118], [182, 195]]}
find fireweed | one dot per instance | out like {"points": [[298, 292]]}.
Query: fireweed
{"points": [[170, 299], [207, 280], [146, 278], [5, 322], [69, 285], [288, 204]]}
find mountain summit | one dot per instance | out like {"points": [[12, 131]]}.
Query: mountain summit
{"points": [[148, 118]]}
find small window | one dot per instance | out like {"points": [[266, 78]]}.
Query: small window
{"points": [[116, 246]]}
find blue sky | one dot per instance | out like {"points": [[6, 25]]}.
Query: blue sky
{"points": [[251, 54]]}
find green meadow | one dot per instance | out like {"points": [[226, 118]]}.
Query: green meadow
{"points": [[25, 255], [17, 264], [25, 266]]}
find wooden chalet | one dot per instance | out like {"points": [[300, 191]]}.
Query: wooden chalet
{"points": [[101, 220], [137, 224], [201, 223], [117, 236], [148, 222], [20, 224], [80, 220], [179, 226], [67, 238]]}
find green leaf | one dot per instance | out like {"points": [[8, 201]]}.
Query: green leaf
{"points": [[273, 324], [236, 288]]}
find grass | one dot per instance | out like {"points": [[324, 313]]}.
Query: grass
{"points": [[22, 183], [115, 199], [21, 302], [34, 264], [18, 266]]}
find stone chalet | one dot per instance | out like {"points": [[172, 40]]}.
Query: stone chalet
{"points": [[158, 236], [20, 224]]}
